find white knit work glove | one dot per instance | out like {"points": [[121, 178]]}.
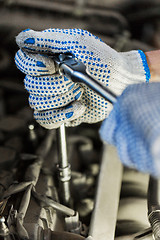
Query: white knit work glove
{"points": [[56, 99]]}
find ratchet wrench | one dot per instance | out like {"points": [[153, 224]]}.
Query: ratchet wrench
{"points": [[74, 69]]}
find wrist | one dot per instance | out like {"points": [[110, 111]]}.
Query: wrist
{"points": [[131, 68], [136, 61], [153, 60]]}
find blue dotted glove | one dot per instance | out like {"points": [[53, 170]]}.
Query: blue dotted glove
{"points": [[55, 98], [133, 126]]}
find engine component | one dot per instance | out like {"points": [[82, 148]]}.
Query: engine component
{"points": [[106, 200]]}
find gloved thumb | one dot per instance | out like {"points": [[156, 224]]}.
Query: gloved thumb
{"points": [[47, 41], [34, 64]]}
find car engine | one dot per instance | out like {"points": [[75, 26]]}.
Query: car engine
{"points": [[66, 184]]}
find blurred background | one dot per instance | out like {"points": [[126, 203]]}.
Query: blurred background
{"points": [[122, 24]]}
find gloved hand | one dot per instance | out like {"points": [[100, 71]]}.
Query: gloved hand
{"points": [[133, 126], [56, 99]]}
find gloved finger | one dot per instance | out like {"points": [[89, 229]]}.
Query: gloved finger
{"points": [[56, 40], [34, 64], [53, 118], [55, 101], [100, 109], [80, 43], [47, 85]]}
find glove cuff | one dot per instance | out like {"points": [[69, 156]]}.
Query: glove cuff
{"points": [[130, 68], [137, 66], [145, 65]]}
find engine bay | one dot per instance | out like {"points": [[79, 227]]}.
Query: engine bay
{"points": [[92, 196]]}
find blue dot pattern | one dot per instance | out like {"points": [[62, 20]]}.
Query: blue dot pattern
{"points": [[54, 117], [50, 92], [50, 44], [34, 65], [47, 85], [29, 41], [55, 101]]}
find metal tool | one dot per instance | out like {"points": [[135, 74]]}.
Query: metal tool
{"points": [[72, 221], [73, 68], [4, 231], [154, 206], [63, 166], [68, 65]]}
